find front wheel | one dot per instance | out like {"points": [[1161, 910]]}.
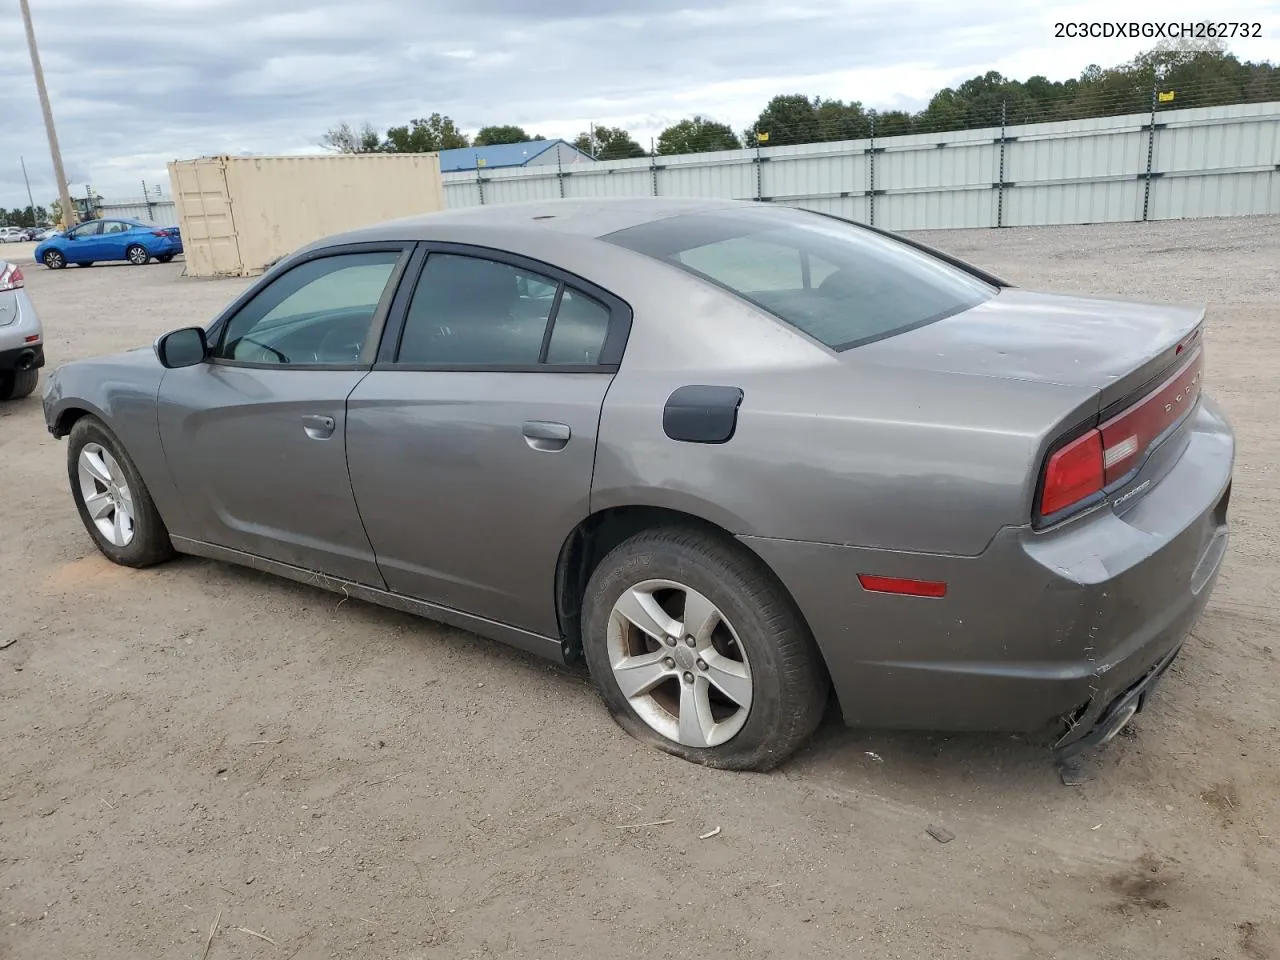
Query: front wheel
{"points": [[113, 502], [697, 650], [54, 260], [137, 255], [16, 384]]}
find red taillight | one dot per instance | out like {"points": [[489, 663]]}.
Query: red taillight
{"points": [[10, 278], [900, 585], [1127, 436], [1073, 473]]}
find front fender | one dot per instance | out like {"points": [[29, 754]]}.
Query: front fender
{"points": [[122, 392]]}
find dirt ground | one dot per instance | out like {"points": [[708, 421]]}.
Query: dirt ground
{"points": [[200, 746]]}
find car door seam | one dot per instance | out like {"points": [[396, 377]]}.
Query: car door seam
{"points": [[351, 486]]}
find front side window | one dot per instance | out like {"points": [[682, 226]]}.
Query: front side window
{"points": [[470, 312], [320, 312], [91, 229], [841, 284]]}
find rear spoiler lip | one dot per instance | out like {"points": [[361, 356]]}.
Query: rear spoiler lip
{"points": [[1158, 368]]}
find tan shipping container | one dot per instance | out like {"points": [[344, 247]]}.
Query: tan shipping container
{"points": [[240, 214]]}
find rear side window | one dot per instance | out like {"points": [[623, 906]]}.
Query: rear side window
{"points": [[839, 283], [473, 312]]}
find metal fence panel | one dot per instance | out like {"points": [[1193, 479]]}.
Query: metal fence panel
{"points": [[1211, 161]]}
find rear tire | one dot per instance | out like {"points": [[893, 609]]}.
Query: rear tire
{"points": [[758, 649], [165, 258], [86, 263], [124, 524], [17, 384], [137, 255]]}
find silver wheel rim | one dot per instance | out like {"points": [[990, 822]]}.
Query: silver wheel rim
{"points": [[107, 497], [53, 259], [138, 255], [678, 661]]}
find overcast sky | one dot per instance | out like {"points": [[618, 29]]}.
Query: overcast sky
{"points": [[136, 83]]}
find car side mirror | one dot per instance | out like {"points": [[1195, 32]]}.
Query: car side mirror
{"points": [[182, 348]]}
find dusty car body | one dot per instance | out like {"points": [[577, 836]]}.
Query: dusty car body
{"points": [[734, 455], [21, 336]]}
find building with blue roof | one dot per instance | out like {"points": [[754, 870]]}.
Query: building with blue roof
{"points": [[531, 153]]}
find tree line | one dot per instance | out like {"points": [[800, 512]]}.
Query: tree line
{"points": [[24, 217], [1186, 75]]}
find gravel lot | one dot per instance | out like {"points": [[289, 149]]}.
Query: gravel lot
{"points": [[199, 743]]}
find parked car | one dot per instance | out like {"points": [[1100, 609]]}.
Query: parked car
{"points": [[731, 454], [45, 233], [21, 336], [12, 234], [104, 240]]}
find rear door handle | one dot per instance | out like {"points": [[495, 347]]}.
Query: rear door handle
{"points": [[546, 435], [318, 427]]}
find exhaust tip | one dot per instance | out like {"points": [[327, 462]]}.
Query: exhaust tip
{"points": [[25, 359]]}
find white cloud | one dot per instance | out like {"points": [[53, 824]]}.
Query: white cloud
{"points": [[136, 84]]}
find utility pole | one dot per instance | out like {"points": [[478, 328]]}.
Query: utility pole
{"points": [[30, 199], [68, 208]]}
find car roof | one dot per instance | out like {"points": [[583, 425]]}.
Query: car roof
{"points": [[592, 218]]}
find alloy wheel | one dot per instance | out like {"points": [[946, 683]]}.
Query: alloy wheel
{"points": [[678, 661], [105, 490], [138, 256]]}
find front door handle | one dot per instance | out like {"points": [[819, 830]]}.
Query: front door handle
{"points": [[545, 435], [318, 427]]}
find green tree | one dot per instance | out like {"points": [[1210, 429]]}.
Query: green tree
{"points": [[697, 135], [608, 143], [502, 133], [428, 135], [344, 139], [787, 119]]}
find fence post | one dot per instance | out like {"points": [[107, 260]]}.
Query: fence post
{"points": [[871, 174], [559, 172], [653, 165], [1151, 148], [479, 182], [1000, 185], [759, 171]]}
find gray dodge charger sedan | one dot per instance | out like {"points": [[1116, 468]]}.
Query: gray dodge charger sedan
{"points": [[735, 456]]}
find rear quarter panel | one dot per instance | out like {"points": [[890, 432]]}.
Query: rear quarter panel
{"points": [[828, 447]]}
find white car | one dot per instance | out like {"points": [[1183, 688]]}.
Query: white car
{"points": [[21, 336], [13, 234]]}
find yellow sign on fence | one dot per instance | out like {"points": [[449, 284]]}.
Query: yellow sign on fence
{"points": [[1166, 96]]}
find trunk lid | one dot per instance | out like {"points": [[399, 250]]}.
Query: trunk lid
{"points": [[1120, 348]]}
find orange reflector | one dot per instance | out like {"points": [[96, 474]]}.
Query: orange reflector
{"points": [[899, 585]]}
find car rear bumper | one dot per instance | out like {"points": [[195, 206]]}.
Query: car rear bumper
{"points": [[1044, 631], [26, 357]]}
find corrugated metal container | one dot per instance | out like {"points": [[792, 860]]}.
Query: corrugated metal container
{"points": [[239, 214], [163, 213]]}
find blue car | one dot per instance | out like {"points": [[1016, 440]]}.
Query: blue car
{"points": [[117, 239]]}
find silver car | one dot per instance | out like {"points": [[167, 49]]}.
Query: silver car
{"points": [[21, 336], [735, 456]]}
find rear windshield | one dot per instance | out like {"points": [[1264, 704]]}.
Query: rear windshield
{"points": [[841, 284]]}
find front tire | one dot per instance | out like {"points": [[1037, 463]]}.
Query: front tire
{"points": [[54, 260], [17, 384], [137, 255], [114, 504], [698, 651]]}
